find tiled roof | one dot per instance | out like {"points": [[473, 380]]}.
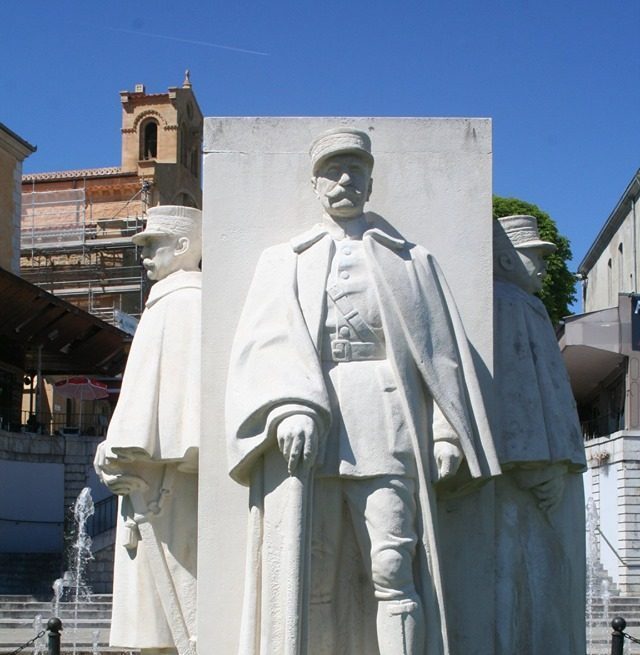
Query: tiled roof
{"points": [[65, 175]]}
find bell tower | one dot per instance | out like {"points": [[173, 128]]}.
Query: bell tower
{"points": [[162, 142]]}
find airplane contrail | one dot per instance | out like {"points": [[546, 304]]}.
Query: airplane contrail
{"points": [[175, 38]]}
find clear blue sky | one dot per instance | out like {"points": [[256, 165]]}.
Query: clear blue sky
{"points": [[561, 80]]}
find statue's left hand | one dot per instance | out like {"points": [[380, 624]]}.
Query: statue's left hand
{"points": [[448, 457], [546, 483], [549, 493]]}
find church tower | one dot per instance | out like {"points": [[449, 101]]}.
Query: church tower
{"points": [[161, 141]]}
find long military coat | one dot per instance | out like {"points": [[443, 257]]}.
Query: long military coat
{"points": [[275, 364], [156, 427]]}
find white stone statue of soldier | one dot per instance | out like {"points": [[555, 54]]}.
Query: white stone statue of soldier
{"points": [[351, 392], [540, 524], [150, 455]]}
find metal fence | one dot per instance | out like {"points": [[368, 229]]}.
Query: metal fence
{"points": [[64, 424], [104, 516]]}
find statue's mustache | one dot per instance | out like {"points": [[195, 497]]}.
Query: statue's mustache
{"points": [[340, 191]]}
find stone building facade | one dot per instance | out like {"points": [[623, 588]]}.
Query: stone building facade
{"points": [[601, 348], [76, 225], [13, 151]]}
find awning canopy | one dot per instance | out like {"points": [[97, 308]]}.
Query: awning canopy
{"points": [[591, 349], [39, 330]]}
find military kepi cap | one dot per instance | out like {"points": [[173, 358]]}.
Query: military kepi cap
{"points": [[173, 220], [519, 232], [340, 140]]}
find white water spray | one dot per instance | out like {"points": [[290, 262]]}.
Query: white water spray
{"points": [[82, 510], [593, 565]]}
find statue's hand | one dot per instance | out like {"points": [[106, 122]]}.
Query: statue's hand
{"points": [[113, 476], [298, 440], [549, 493], [546, 483], [448, 457], [100, 459], [123, 484]]}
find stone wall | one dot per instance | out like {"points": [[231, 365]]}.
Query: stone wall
{"points": [[100, 569], [23, 572], [29, 573], [613, 481], [10, 176]]}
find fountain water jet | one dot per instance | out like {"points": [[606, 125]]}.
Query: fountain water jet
{"points": [[593, 561], [39, 647], [82, 510], [72, 586]]}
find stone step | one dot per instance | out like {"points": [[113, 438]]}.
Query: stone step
{"points": [[49, 604], [83, 638], [599, 637], [11, 599], [12, 624], [34, 605]]}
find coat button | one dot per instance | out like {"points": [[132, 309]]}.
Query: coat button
{"points": [[344, 275]]}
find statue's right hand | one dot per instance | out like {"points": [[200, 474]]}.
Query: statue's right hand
{"points": [[298, 440], [123, 484], [113, 476], [100, 459]]}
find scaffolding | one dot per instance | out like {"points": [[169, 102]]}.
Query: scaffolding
{"points": [[81, 249]]}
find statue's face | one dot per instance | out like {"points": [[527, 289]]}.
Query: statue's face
{"points": [[532, 269], [161, 256], [343, 185]]}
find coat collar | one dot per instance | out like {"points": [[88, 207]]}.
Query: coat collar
{"points": [[173, 282], [318, 231], [513, 291]]}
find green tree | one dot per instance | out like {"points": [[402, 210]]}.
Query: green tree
{"points": [[558, 290]]}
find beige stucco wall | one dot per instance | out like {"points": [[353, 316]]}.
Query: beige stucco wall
{"points": [[10, 176], [13, 151], [613, 272]]}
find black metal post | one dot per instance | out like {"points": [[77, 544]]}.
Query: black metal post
{"points": [[54, 626], [617, 636]]}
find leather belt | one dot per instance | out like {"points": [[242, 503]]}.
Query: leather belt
{"points": [[343, 350]]}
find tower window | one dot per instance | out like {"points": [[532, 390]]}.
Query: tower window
{"points": [[149, 141], [183, 145]]}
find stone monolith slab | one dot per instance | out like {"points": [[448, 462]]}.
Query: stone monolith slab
{"points": [[432, 181]]}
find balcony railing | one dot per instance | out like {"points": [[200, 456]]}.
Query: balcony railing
{"points": [[104, 516], [63, 424]]}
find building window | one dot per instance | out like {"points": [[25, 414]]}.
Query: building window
{"points": [[195, 159], [149, 140], [620, 270], [183, 146]]}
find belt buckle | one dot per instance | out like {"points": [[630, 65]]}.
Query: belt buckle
{"points": [[341, 350]]}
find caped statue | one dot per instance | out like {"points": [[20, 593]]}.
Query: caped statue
{"points": [[540, 526], [150, 455], [351, 392]]}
